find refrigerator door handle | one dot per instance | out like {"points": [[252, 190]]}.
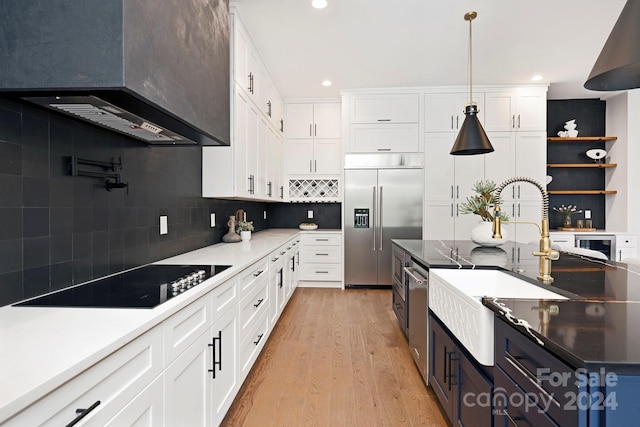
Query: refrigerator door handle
{"points": [[380, 215], [373, 219]]}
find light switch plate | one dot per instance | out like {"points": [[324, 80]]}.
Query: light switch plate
{"points": [[310, 214], [213, 220], [264, 214], [587, 214], [164, 228]]}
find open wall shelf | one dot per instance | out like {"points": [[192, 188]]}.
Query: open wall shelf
{"points": [[582, 192], [583, 139], [582, 165]]}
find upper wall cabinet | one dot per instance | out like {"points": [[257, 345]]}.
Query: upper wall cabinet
{"points": [[521, 109], [444, 112], [310, 121], [251, 167], [384, 122]]}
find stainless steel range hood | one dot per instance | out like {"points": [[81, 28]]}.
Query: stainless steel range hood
{"points": [[157, 73]]}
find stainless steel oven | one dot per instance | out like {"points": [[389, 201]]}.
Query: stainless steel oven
{"points": [[399, 261]]}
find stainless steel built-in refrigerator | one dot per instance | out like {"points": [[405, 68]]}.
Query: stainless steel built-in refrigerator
{"points": [[383, 201]]}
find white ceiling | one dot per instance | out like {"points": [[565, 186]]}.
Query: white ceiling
{"points": [[376, 43]]}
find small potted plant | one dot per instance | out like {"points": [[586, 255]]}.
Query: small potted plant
{"points": [[482, 204], [245, 228]]}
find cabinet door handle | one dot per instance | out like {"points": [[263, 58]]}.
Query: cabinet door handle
{"points": [[457, 123], [457, 209], [518, 121], [280, 278], [315, 129], [452, 121], [269, 108], [315, 166], [83, 413], [518, 191], [282, 192], [310, 167], [452, 376], [259, 338], [216, 361], [451, 210], [269, 185], [256, 305], [281, 125], [513, 121], [518, 210], [257, 273]]}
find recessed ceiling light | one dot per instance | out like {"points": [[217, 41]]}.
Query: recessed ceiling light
{"points": [[326, 83], [536, 78], [319, 4]]}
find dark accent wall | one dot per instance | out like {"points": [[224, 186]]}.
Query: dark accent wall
{"points": [[57, 230], [326, 215], [590, 118]]}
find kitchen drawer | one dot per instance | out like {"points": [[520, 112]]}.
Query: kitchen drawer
{"points": [[537, 371], [224, 296], [321, 272], [250, 274], [145, 410], [184, 327], [253, 343], [626, 241], [322, 254], [321, 239], [506, 394], [114, 382], [253, 305]]}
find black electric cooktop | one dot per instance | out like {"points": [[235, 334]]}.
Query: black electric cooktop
{"points": [[142, 287]]}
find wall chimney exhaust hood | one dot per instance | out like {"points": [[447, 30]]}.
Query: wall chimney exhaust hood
{"points": [[155, 72]]}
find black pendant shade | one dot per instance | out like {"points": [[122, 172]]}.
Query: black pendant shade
{"points": [[618, 66], [471, 139]]}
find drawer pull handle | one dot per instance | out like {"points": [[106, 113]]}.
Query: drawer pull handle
{"points": [[83, 413], [528, 375], [322, 272], [258, 303], [259, 338], [219, 361], [274, 259], [322, 254], [257, 273]]}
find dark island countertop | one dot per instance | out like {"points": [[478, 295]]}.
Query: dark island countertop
{"points": [[598, 326]]}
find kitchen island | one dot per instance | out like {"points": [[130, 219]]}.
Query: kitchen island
{"points": [[586, 344]]}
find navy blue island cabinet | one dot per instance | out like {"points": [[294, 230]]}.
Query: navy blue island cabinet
{"points": [[462, 387], [533, 387]]}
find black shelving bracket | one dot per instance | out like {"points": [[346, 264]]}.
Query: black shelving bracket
{"points": [[112, 179]]}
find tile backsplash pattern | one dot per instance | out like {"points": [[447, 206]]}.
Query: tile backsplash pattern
{"points": [[57, 230]]}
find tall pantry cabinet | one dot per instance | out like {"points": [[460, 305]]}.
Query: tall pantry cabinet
{"points": [[251, 168]]}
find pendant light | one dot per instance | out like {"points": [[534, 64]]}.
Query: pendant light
{"points": [[471, 139], [618, 66]]}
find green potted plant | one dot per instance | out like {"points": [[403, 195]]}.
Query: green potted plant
{"points": [[245, 228], [483, 204]]}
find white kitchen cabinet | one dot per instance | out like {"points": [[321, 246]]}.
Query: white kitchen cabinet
{"points": [[449, 181], [253, 304], [252, 344], [225, 371], [187, 386], [562, 239], [242, 170], [384, 108], [519, 154], [313, 120], [275, 166], [382, 122], [277, 287], [313, 139], [183, 328], [518, 109], [626, 247], [145, 410], [444, 112], [321, 259], [105, 388]]}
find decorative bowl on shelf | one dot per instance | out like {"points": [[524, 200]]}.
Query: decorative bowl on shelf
{"points": [[596, 154], [308, 226]]}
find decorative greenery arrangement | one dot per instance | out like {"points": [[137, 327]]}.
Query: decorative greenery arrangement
{"points": [[245, 226], [483, 203], [567, 211]]}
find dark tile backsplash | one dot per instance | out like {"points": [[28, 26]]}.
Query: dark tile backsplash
{"points": [[57, 230]]}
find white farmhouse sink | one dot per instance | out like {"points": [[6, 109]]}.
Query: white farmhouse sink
{"points": [[455, 296]]}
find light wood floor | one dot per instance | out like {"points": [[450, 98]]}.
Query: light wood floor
{"points": [[336, 358]]}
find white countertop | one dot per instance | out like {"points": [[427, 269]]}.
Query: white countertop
{"points": [[43, 347]]}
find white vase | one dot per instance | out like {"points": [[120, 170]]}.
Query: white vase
{"points": [[482, 234], [245, 236]]}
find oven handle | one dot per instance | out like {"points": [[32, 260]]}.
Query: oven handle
{"points": [[416, 277]]}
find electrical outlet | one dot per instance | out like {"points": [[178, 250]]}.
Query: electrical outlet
{"points": [[264, 214], [587, 214], [310, 214], [164, 227], [213, 220]]}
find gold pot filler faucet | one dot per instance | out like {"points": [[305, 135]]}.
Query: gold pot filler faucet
{"points": [[546, 254]]}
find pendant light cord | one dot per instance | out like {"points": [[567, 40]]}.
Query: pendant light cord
{"points": [[470, 63]]}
